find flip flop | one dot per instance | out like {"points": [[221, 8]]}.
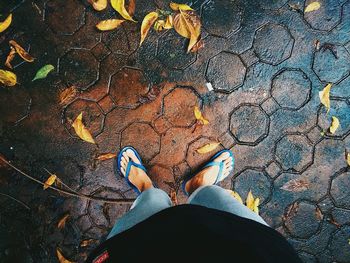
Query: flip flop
{"points": [[128, 167], [211, 162]]}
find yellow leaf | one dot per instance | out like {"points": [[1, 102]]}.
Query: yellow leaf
{"points": [[169, 22], [147, 22], [61, 258], [237, 197], [250, 201], [119, 6], [347, 157], [208, 147], [312, 7], [109, 24], [324, 96], [62, 221], [98, 5], [8, 78], [334, 125], [159, 25], [10, 57], [106, 156], [87, 242], [199, 116], [256, 205], [81, 130], [182, 7], [23, 54], [50, 181], [7, 22]]}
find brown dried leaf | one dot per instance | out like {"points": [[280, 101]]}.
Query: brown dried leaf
{"points": [[8, 78], [131, 7], [81, 130], [208, 147], [87, 242], [61, 258], [146, 25], [6, 23], [109, 24], [61, 224], [68, 95], [199, 45], [173, 197], [50, 181], [98, 5], [319, 214], [106, 156], [324, 96], [296, 185], [10, 57], [23, 54]]}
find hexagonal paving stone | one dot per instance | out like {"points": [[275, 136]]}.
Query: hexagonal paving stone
{"points": [[302, 219], [127, 86], [291, 89], [226, 72], [135, 135], [92, 115], [340, 190], [294, 152], [117, 41], [249, 124], [272, 5], [339, 109], [71, 12], [339, 244], [221, 18], [341, 89], [162, 177], [307, 258], [172, 51], [273, 54], [325, 18], [253, 180], [330, 66], [79, 67], [179, 105]]}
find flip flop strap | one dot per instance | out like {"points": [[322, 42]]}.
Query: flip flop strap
{"points": [[128, 168], [221, 167]]}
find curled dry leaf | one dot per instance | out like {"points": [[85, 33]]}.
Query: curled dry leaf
{"points": [[159, 25], [182, 7], [61, 224], [10, 57], [199, 45], [296, 185], [324, 96], [119, 6], [23, 54], [50, 181], [169, 22], [98, 5], [109, 24], [43, 72], [106, 156], [312, 7], [61, 258], [81, 130], [208, 147], [147, 23], [335, 124], [6, 23], [8, 78], [173, 197], [131, 7], [199, 116], [87, 242], [68, 95]]}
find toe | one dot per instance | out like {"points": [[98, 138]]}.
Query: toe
{"points": [[122, 170], [123, 165], [133, 156], [222, 157]]}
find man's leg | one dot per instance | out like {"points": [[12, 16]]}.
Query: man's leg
{"points": [[213, 196], [147, 204]]}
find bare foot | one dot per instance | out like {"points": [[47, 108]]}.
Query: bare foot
{"points": [[137, 176], [208, 175]]}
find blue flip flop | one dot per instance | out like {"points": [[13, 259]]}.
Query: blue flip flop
{"points": [[130, 164], [211, 162]]}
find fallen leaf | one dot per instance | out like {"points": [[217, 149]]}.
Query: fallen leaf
{"points": [[98, 5], [109, 24], [250, 200], [6, 23], [50, 181], [318, 214], [8, 78], [147, 23], [208, 147], [106, 156], [317, 44], [335, 124], [332, 48], [119, 6], [324, 96], [182, 7], [61, 258], [236, 196], [173, 197], [199, 45], [169, 22], [131, 7], [347, 157], [68, 95], [43, 72], [312, 7], [87, 242], [61, 224], [256, 205], [199, 116], [159, 25], [81, 130], [10, 57], [296, 185], [23, 54]]}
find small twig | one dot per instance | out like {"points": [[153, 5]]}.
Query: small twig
{"points": [[14, 199], [69, 193]]}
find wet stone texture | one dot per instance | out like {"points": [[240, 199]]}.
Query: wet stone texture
{"points": [[257, 81]]}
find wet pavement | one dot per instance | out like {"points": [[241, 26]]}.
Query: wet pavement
{"points": [[266, 61]]}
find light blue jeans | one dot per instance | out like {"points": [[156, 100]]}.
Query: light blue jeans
{"points": [[154, 200]]}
